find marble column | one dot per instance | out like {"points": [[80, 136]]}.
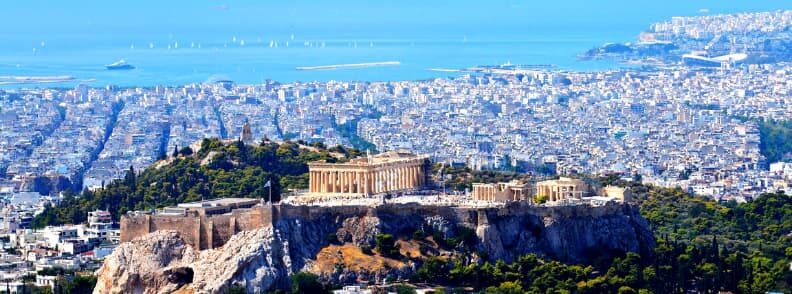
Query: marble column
{"points": [[312, 182], [343, 183], [326, 182], [347, 181], [315, 183], [334, 182], [388, 175], [359, 177], [394, 179], [391, 177], [404, 178], [373, 179], [366, 183], [341, 180], [408, 177], [352, 179], [370, 182], [328, 179], [399, 183], [351, 182], [385, 186], [360, 182], [380, 181], [397, 176], [418, 175], [376, 181], [321, 181], [415, 176], [399, 179]]}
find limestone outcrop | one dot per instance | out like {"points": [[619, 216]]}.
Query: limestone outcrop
{"points": [[256, 260], [155, 263], [263, 259]]}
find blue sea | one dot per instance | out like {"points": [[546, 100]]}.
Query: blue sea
{"points": [[181, 42]]}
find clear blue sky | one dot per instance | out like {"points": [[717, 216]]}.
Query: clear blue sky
{"points": [[142, 16]]}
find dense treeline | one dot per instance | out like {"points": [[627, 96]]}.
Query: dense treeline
{"points": [[755, 238], [775, 138], [703, 246], [234, 170]]}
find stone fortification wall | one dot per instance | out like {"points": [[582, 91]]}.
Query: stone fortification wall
{"points": [[200, 231], [510, 228]]}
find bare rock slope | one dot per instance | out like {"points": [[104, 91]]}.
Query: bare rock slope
{"points": [[264, 259]]}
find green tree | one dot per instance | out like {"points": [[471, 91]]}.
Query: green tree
{"points": [[81, 285], [506, 288], [433, 270], [306, 283], [386, 245], [403, 289]]}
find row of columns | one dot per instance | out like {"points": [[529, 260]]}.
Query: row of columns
{"points": [[490, 193], [365, 181], [558, 192], [484, 192]]}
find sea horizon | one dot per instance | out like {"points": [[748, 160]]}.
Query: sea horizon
{"points": [[246, 53]]}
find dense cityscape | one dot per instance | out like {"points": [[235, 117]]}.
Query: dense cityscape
{"points": [[676, 126], [698, 129]]}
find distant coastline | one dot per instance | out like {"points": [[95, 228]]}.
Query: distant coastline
{"points": [[8, 80], [349, 65]]}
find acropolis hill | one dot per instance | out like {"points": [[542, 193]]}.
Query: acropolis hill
{"points": [[351, 203], [393, 180], [294, 235]]}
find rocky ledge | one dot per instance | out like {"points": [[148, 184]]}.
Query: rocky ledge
{"points": [[265, 258]]}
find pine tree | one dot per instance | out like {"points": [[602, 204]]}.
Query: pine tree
{"points": [[129, 178]]}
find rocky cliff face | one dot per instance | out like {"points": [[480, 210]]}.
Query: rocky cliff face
{"points": [[162, 263], [263, 259], [153, 264]]}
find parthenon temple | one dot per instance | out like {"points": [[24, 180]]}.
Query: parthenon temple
{"points": [[382, 173]]}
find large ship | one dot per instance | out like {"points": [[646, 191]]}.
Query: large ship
{"points": [[119, 65]]}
